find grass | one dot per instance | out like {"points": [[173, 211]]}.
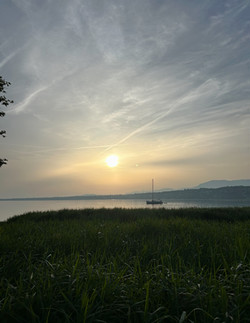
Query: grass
{"points": [[126, 265]]}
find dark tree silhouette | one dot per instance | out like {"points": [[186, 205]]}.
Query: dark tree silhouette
{"points": [[4, 101]]}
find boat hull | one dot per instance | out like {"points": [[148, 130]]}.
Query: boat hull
{"points": [[154, 202]]}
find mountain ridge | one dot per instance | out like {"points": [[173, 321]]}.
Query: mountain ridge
{"points": [[223, 183]]}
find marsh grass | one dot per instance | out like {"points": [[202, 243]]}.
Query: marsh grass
{"points": [[126, 265]]}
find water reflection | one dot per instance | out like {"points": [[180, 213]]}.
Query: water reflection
{"points": [[11, 208]]}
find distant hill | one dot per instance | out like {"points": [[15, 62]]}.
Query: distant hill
{"points": [[223, 193], [223, 183], [164, 189]]}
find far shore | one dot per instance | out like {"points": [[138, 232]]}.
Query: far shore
{"points": [[241, 193]]}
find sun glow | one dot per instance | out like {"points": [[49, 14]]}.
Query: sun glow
{"points": [[112, 161]]}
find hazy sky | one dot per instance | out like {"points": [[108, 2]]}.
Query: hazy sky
{"points": [[163, 84]]}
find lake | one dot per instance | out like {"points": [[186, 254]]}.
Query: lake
{"points": [[10, 208]]}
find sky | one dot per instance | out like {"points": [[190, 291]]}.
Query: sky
{"points": [[162, 84]]}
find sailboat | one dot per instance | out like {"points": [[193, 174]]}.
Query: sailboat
{"points": [[153, 201]]}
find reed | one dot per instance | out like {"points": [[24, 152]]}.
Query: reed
{"points": [[126, 265]]}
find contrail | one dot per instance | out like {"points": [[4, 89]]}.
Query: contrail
{"points": [[172, 107], [9, 57], [145, 126], [23, 104]]}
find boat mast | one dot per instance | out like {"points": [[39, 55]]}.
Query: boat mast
{"points": [[152, 189]]}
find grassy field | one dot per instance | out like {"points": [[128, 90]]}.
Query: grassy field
{"points": [[126, 265]]}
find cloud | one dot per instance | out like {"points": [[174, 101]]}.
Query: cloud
{"points": [[136, 76]]}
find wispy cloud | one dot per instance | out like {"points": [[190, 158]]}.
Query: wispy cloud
{"points": [[91, 77]]}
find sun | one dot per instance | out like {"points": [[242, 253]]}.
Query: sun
{"points": [[112, 161]]}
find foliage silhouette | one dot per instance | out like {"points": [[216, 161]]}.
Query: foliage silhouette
{"points": [[4, 101]]}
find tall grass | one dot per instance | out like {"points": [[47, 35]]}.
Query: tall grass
{"points": [[121, 265]]}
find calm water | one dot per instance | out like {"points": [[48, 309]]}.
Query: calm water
{"points": [[11, 208]]}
